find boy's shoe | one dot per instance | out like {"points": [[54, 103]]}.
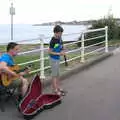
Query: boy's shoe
{"points": [[63, 92], [57, 92], [60, 92]]}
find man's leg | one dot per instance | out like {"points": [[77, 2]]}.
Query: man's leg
{"points": [[24, 86]]}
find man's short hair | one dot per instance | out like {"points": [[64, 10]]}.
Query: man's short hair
{"points": [[11, 45], [57, 29]]}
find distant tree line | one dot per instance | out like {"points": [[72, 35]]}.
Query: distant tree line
{"points": [[113, 30]]}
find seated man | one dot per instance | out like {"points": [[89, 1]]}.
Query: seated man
{"points": [[6, 60]]}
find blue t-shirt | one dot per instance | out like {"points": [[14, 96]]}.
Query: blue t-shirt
{"points": [[56, 45], [7, 58]]}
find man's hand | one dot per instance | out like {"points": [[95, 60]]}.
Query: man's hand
{"points": [[26, 71], [13, 74]]}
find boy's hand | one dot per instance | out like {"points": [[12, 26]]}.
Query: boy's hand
{"points": [[62, 53]]}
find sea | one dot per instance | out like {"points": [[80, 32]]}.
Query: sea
{"points": [[31, 34]]}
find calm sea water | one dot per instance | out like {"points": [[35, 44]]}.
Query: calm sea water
{"points": [[29, 32]]}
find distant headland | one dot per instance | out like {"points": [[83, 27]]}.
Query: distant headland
{"points": [[67, 23], [87, 22]]}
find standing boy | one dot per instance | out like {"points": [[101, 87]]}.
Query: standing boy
{"points": [[55, 51]]}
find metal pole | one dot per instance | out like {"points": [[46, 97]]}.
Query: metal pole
{"points": [[82, 49], [12, 12], [11, 23], [106, 38], [42, 75]]}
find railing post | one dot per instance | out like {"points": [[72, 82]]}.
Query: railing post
{"points": [[106, 38], [42, 75], [82, 48]]}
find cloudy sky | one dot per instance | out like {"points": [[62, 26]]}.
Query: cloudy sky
{"points": [[39, 11]]}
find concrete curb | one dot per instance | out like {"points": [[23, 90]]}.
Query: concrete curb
{"points": [[80, 68]]}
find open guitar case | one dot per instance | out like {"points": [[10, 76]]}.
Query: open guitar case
{"points": [[35, 101]]}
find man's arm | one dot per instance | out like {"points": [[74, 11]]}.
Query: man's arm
{"points": [[3, 66]]}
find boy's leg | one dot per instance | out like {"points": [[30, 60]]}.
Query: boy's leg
{"points": [[55, 83], [55, 65], [55, 74]]}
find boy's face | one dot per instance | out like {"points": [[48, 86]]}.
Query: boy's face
{"points": [[58, 34]]}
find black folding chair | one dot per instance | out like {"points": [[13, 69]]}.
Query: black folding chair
{"points": [[5, 95]]}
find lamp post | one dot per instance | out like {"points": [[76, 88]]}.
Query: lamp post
{"points": [[12, 12]]}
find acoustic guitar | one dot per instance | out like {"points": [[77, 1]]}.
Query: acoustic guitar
{"points": [[7, 79]]}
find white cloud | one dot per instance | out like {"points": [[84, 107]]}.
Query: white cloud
{"points": [[37, 11]]}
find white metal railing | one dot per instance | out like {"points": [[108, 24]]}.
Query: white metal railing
{"points": [[80, 50]]}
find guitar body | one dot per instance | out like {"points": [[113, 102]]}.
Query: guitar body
{"points": [[7, 78]]}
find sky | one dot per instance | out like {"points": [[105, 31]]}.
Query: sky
{"points": [[41, 11]]}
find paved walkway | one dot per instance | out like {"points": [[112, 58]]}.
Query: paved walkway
{"points": [[94, 94]]}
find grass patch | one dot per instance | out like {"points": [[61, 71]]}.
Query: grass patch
{"points": [[34, 56], [114, 42]]}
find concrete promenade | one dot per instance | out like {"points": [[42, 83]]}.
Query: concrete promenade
{"points": [[93, 94]]}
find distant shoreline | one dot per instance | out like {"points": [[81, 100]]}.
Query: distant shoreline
{"points": [[53, 24], [87, 22], [90, 22]]}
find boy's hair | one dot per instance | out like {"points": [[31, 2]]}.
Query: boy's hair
{"points": [[57, 29], [11, 45]]}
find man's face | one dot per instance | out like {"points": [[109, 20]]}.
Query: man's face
{"points": [[15, 50]]}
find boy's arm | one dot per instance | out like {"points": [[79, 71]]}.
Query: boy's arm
{"points": [[53, 53], [51, 46]]}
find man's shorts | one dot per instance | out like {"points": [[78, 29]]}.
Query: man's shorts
{"points": [[15, 83], [55, 64]]}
